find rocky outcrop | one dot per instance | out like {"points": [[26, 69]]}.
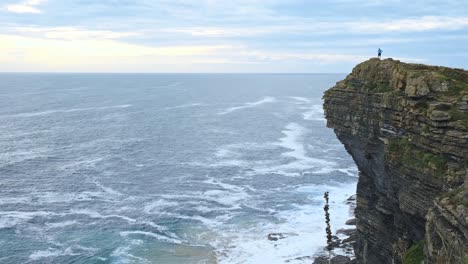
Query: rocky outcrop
{"points": [[406, 127]]}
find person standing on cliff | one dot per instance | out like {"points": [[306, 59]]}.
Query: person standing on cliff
{"points": [[379, 52]]}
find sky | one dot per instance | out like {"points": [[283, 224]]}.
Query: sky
{"points": [[232, 36]]}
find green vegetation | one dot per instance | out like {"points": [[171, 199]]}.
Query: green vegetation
{"points": [[458, 116], [378, 86], [402, 151], [456, 197], [416, 74], [415, 254]]}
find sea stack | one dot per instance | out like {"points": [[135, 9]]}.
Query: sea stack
{"points": [[406, 127]]}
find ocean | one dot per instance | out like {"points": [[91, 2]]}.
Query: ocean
{"points": [[168, 168]]}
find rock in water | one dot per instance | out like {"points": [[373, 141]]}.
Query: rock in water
{"points": [[351, 221], [406, 127], [335, 260]]}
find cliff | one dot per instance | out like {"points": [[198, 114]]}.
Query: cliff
{"points": [[406, 127]]}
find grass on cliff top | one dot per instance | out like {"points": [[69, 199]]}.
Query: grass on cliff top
{"points": [[415, 254], [402, 151], [456, 197]]}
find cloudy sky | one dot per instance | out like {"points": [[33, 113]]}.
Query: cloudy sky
{"points": [[227, 36]]}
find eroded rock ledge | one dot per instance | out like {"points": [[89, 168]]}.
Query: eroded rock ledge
{"points": [[406, 127]]}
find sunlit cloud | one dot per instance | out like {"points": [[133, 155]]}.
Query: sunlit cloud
{"points": [[29, 6], [54, 54], [72, 33]]}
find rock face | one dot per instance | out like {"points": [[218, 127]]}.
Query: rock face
{"points": [[406, 127]]}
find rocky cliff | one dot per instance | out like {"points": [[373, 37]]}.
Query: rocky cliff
{"points": [[406, 127]]}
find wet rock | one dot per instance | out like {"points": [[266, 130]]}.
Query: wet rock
{"points": [[299, 258], [275, 236], [351, 221], [352, 198], [335, 260], [346, 232]]}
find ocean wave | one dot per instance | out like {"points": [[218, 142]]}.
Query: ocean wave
{"points": [[49, 112], [183, 106], [172, 84], [11, 219], [302, 227], [300, 100], [155, 206], [94, 214], [52, 253], [62, 224], [265, 100], [314, 113], [151, 234]]}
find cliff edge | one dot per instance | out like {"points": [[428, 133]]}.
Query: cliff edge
{"points": [[406, 127]]}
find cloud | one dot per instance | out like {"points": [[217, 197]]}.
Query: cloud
{"points": [[29, 6], [72, 33], [425, 23], [54, 54], [311, 26]]}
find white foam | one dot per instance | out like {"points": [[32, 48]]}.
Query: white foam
{"points": [[51, 253], [265, 100], [107, 190], [62, 224], [55, 111], [294, 140], [94, 214], [295, 162], [314, 113], [156, 206], [14, 200], [151, 234], [21, 155], [301, 100], [55, 197], [125, 257], [183, 106], [10, 219], [303, 226], [236, 150]]}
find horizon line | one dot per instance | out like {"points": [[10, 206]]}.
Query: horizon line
{"points": [[298, 73]]}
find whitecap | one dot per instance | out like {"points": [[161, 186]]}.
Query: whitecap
{"points": [[10, 219], [265, 100], [151, 234], [94, 214], [183, 106], [151, 207], [51, 253], [14, 200], [301, 100], [62, 224], [314, 113], [55, 111], [107, 190]]}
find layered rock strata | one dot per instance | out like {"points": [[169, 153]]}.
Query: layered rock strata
{"points": [[406, 127]]}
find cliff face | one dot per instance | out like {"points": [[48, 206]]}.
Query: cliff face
{"points": [[406, 127]]}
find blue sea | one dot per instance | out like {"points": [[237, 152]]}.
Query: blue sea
{"points": [[168, 168]]}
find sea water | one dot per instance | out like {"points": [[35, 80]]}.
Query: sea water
{"points": [[168, 168]]}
